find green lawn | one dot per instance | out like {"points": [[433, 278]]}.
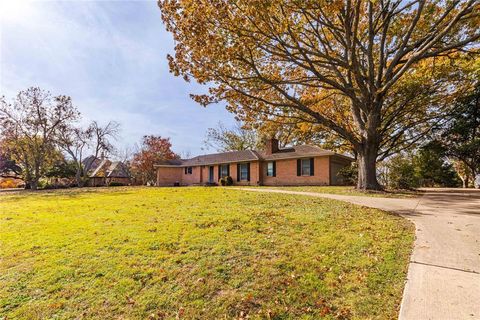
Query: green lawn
{"points": [[197, 253], [351, 191]]}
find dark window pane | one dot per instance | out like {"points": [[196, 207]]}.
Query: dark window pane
{"points": [[305, 167], [243, 171], [270, 169], [224, 170]]}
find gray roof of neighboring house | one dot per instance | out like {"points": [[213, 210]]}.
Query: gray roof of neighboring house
{"points": [[106, 168], [101, 167], [91, 163], [118, 169], [302, 151]]}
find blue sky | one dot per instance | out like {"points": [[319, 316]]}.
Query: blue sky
{"points": [[110, 57]]}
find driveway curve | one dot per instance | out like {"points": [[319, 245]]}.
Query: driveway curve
{"points": [[443, 280]]}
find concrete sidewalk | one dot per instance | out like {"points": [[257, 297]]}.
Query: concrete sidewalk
{"points": [[443, 280]]}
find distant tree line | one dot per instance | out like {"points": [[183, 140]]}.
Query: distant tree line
{"points": [[41, 138]]}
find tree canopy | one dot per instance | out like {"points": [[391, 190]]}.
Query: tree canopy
{"points": [[29, 127], [237, 138], [153, 150], [461, 135], [377, 74], [40, 137]]}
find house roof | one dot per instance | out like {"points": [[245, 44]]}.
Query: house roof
{"points": [[118, 169], [99, 171], [223, 157], [302, 151], [91, 163], [109, 169]]}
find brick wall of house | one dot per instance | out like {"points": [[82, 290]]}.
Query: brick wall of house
{"points": [[206, 174], [167, 176], [194, 178], [326, 169], [254, 174], [286, 173]]}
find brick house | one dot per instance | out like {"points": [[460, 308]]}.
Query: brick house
{"points": [[299, 165]]}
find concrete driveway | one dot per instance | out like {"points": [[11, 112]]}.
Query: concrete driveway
{"points": [[443, 279]]}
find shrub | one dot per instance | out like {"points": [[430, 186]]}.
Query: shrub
{"points": [[42, 183], [116, 184], [349, 174], [402, 173], [229, 181], [7, 184], [222, 181]]}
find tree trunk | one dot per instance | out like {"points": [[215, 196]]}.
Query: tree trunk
{"points": [[465, 181], [36, 177], [79, 177], [34, 184], [367, 168]]}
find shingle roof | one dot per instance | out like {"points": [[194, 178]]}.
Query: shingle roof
{"points": [[99, 170], [224, 157], [91, 163], [118, 169], [106, 168], [302, 151], [172, 162]]}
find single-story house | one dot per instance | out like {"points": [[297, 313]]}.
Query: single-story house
{"points": [[298, 165], [103, 172]]}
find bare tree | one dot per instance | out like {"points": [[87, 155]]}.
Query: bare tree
{"points": [[102, 137], [236, 138], [95, 138]]}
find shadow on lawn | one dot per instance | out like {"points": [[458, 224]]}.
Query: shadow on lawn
{"points": [[13, 195]]}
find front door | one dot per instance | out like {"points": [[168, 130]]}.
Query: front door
{"points": [[210, 174]]}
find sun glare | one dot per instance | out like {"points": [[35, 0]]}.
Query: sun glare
{"points": [[14, 10]]}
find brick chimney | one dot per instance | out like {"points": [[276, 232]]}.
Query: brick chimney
{"points": [[271, 146]]}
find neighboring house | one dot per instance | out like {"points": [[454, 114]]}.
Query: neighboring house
{"points": [[299, 165], [103, 172]]}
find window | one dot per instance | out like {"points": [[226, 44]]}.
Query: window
{"points": [[271, 169], [306, 167], [188, 170], [243, 171], [224, 170]]}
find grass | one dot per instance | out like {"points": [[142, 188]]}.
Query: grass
{"points": [[197, 253], [351, 191]]}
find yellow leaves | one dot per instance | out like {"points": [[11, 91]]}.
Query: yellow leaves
{"points": [[325, 62]]}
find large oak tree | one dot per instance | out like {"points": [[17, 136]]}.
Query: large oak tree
{"points": [[374, 73]]}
